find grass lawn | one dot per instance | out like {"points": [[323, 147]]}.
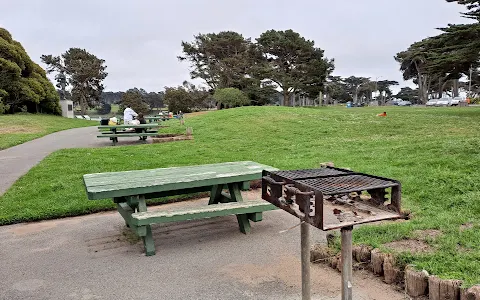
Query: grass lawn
{"points": [[20, 128], [435, 153]]}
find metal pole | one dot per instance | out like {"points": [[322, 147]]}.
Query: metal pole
{"points": [[305, 244], [347, 263]]}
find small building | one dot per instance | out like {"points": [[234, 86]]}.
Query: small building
{"points": [[67, 108]]}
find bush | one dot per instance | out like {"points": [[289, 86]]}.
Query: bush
{"points": [[105, 109], [134, 99], [231, 97], [3, 107], [475, 100]]}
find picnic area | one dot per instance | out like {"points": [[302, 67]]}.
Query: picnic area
{"points": [[214, 152], [433, 152]]}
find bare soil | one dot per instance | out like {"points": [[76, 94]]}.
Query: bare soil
{"points": [[410, 245], [19, 129], [426, 234]]}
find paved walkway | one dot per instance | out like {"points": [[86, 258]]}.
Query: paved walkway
{"points": [[16, 161], [96, 257]]}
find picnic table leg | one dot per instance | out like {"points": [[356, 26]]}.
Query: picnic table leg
{"points": [[215, 194], [139, 204], [148, 238], [236, 196]]}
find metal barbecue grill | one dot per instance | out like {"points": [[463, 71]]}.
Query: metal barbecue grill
{"points": [[331, 198]]}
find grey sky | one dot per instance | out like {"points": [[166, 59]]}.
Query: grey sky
{"points": [[140, 39]]}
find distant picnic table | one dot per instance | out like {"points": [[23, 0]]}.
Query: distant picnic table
{"points": [[130, 190], [156, 118], [115, 131]]}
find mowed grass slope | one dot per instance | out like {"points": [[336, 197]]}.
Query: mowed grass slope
{"points": [[435, 153], [20, 128]]}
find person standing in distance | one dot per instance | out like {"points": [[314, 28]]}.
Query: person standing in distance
{"points": [[128, 115]]}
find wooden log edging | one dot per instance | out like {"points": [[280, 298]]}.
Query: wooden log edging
{"points": [[417, 283]]}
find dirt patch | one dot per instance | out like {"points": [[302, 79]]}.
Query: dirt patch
{"points": [[427, 234], [19, 129], [171, 138], [197, 113], [412, 246], [466, 226]]}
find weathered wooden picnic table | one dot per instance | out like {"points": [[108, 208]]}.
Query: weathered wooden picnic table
{"points": [[130, 189], [115, 131], [156, 119]]}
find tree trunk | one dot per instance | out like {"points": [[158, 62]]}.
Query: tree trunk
{"points": [[83, 105], [420, 88], [440, 88], [286, 98], [455, 88]]}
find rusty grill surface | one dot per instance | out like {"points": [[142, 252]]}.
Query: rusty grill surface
{"points": [[330, 198], [346, 184], [331, 181]]}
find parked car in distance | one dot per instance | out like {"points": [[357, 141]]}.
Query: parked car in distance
{"points": [[457, 100], [444, 102], [404, 103], [432, 102]]}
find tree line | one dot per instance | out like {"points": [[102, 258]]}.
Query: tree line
{"points": [[437, 64], [277, 67]]}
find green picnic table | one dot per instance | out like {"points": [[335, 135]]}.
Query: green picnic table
{"points": [[130, 189], [115, 131], [156, 119]]}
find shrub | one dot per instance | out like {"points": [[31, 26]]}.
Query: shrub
{"points": [[231, 97], [105, 109]]}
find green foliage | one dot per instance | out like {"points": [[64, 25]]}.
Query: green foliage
{"points": [[83, 71], [24, 82], [437, 63], [133, 98], [408, 94], [3, 107], [186, 98], [231, 97], [229, 60], [105, 109], [294, 63]]}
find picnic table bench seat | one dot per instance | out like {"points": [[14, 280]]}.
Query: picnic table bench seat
{"points": [[115, 131], [131, 189]]}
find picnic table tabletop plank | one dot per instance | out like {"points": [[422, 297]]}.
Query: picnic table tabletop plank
{"points": [[150, 125], [129, 183]]}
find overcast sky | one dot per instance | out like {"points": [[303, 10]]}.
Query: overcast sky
{"points": [[140, 39]]}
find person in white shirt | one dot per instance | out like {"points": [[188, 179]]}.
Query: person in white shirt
{"points": [[128, 115]]}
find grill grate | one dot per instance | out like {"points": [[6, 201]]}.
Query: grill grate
{"points": [[347, 184], [309, 173]]}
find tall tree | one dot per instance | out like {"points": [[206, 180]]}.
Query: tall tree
{"points": [[134, 98], [407, 94], [23, 83], [220, 59], [227, 59], [294, 62], [383, 87], [355, 85], [186, 98], [85, 73]]}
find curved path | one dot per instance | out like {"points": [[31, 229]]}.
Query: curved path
{"points": [[17, 160]]}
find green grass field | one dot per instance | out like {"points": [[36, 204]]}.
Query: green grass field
{"points": [[20, 128], [435, 153]]}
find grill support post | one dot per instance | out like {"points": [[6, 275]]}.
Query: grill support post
{"points": [[347, 263], [305, 253]]}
